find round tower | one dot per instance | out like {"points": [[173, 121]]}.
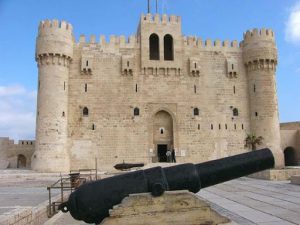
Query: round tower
{"points": [[260, 58], [54, 52]]}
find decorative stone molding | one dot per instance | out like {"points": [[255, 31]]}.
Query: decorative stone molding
{"points": [[53, 59]]}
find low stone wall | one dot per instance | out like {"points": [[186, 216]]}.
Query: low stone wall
{"points": [[283, 174], [27, 215]]}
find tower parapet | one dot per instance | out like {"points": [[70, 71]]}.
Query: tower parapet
{"points": [[260, 59], [54, 52]]}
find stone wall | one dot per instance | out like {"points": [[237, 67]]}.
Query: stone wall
{"points": [[17, 155]]}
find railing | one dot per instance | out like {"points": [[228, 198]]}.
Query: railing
{"points": [[67, 185]]}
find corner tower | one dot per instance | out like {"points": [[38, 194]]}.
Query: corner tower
{"points": [[54, 52], [260, 58]]}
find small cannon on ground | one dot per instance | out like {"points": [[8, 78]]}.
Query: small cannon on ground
{"points": [[91, 202], [127, 166]]}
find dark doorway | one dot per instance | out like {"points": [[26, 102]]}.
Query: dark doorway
{"points": [[21, 163], [161, 153], [290, 157]]}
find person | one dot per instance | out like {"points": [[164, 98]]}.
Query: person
{"points": [[169, 155], [173, 155]]}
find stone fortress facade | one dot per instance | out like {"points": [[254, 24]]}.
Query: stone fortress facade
{"points": [[131, 100]]}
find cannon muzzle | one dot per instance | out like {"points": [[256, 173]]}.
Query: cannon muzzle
{"points": [[91, 202]]}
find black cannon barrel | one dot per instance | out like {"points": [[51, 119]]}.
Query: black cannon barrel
{"points": [[91, 202]]}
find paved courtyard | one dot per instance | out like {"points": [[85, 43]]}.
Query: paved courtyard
{"points": [[249, 201], [245, 201]]}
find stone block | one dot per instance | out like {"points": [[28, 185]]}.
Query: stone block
{"points": [[172, 208]]}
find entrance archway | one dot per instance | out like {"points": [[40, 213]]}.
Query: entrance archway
{"points": [[162, 134], [290, 158], [21, 161]]}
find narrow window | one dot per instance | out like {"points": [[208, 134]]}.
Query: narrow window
{"points": [[85, 111], [39, 84], [198, 126], [31, 143], [22, 142], [195, 64], [232, 66], [219, 126], [242, 126], [63, 114], [136, 111], [226, 126], [235, 112], [168, 47], [235, 126], [136, 88], [93, 126], [27, 142], [127, 63], [87, 63], [196, 112], [195, 89], [64, 85], [233, 89], [254, 88], [85, 87], [161, 131], [211, 127], [154, 47], [256, 113]]}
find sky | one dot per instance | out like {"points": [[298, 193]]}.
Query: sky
{"points": [[214, 19]]}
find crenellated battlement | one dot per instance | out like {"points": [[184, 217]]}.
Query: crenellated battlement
{"points": [[158, 19], [113, 40], [259, 34], [198, 42], [55, 24]]}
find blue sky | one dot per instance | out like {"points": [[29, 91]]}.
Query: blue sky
{"points": [[215, 19]]}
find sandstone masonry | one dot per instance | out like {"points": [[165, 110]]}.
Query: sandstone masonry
{"points": [[130, 100]]}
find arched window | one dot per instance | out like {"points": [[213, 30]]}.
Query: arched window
{"points": [[168, 47], [136, 111], [85, 111], [154, 47], [235, 112], [196, 112]]}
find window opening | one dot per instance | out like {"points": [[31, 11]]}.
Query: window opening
{"points": [[196, 112], [85, 111], [168, 47], [154, 47], [136, 111], [235, 112]]}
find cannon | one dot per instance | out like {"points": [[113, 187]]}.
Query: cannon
{"points": [[91, 202]]}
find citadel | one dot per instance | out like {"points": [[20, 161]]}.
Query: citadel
{"points": [[132, 99]]}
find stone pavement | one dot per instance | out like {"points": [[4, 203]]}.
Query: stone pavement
{"points": [[249, 201], [245, 201], [23, 189]]}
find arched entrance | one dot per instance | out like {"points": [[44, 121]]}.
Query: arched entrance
{"points": [[162, 134], [21, 161], [290, 158]]}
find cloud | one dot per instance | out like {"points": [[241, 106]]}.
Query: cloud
{"points": [[292, 31], [17, 112]]}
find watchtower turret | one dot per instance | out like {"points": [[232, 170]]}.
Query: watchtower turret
{"points": [[161, 44], [260, 58], [54, 52]]}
